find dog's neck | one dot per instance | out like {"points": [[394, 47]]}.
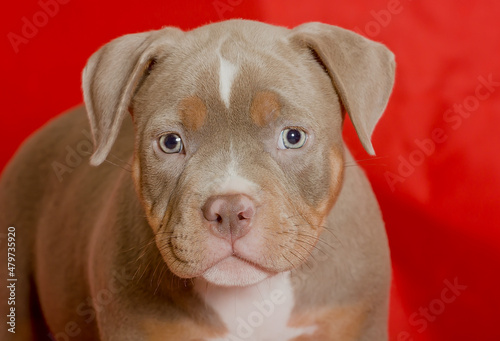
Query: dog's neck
{"points": [[258, 312]]}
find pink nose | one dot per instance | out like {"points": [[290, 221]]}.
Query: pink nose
{"points": [[229, 216]]}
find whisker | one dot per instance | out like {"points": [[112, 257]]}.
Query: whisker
{"points": [[366, 164], [119, 159], [315, 247], [302, 260], [324, 229], [154, 273], [371, 158], [293, 266], [163, 271], [117, 165], [318, 240], [309, 253], [114, 164]]}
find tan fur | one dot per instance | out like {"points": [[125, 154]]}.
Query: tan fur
{"points": [[337, 170], [179, 330], [192, 111], [338, 324], [265, 108], [138, 215]]}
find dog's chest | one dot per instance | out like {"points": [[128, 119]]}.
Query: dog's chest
{"points": [[260, 312]]}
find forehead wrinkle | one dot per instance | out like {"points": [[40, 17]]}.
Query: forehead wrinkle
{"points": [[203, 70]]}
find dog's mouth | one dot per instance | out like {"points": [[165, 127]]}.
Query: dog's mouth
{"points": [[235, 271], [235, 239], [265, 251]]}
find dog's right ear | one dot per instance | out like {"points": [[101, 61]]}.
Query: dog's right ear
{"points": [[110, 79], [361, 70]]}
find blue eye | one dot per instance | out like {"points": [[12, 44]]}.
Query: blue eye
{"points": [[292, 138], [170, 143]]}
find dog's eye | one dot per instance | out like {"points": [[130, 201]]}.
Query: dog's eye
{"points": [[170, 143], [292, 138]]}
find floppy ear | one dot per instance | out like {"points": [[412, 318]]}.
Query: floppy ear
{"points": [[110, 79], [361, 70]]}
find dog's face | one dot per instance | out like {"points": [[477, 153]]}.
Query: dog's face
{"points": [[245, 154], [239, 156]]}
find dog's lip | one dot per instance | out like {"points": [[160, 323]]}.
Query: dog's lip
{"points": [[235, 271], [243, 259]]}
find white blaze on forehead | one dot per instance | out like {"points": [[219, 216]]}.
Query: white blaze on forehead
{"points": [[237, 184], [227, 73], [232, 182]]}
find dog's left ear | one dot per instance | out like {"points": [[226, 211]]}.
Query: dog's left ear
{"points": [[110, 80], [361, 70]]}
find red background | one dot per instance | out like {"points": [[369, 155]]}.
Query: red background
{"points": [[442, 220]]}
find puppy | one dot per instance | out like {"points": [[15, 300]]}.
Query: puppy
{"points": [[221, 207]]}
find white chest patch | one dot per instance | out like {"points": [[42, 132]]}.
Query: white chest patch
{"points": [[227, 73], [255, 313]]}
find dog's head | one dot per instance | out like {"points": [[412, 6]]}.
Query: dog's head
{"points": [[239, 154]]}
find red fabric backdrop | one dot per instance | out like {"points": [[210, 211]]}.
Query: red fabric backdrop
{"points": [[436, 175]]}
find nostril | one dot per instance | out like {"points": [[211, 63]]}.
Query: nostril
{"points": [[212, 210], [247, 212]]}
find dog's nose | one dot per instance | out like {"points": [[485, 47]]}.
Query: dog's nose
{"points": [[229, 216]]}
